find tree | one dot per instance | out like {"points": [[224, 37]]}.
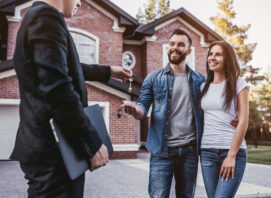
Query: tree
{"points": [[236, 36], [153, 10], [260, 110], [255, 116], [264, 93], [163, 8]]}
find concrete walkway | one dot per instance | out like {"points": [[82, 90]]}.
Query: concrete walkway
{"points": [[129, 179]]}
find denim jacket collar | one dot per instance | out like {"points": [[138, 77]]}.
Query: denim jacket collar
{"points": [[168, 70]]}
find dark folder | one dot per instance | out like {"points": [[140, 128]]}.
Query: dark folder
{"points": [[75, 165]]}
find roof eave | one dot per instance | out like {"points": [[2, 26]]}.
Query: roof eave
{"points": [[209, 34], [6, 65]]}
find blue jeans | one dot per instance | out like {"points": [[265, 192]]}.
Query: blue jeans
{"points": [[182, 162], [211, 161]]}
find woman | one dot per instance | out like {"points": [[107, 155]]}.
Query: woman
{"points": [[224, 97]]}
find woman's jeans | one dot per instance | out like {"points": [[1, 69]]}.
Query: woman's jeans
{"points": [[182, 163], [211, 161]]}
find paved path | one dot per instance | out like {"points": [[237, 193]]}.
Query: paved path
{"points": [[129, 179]]}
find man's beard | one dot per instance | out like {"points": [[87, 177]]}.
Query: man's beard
{"points": [[177, 61]]}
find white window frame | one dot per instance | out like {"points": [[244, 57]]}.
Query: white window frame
{"points": [[15, 102], [91, 36], [190, 59], [133, 58], [105, 110]]}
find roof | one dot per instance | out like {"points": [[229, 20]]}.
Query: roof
{"points": [[7, 7], [6, 65], [149, 29], [134, 30]]}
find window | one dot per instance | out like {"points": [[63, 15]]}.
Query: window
{"points": [[190, 59], [86, 47]]}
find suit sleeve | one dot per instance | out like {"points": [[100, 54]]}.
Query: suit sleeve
{"points": [[47, 41], [95, 72]]}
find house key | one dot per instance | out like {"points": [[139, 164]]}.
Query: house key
{"points": [[130, 87]]}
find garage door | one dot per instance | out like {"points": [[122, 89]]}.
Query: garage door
{"points": [[9, 121]]}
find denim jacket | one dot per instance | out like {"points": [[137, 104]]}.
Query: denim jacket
{"points": [[157, 90]]}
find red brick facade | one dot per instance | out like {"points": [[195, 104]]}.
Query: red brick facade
{"points": [[123, 130], [9, 88]]}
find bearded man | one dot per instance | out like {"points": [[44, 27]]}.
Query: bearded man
{"points": [[176, 121]]}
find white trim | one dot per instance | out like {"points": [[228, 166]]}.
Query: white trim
{"points": [[164, 54], [92, 36], [109, 90], [133, 59], [105, 106], [138, 131], [177, 18], [132, 42], [141, 42], [18, 9], [129, 102], [126, 147], [150, 38], [10, 102], [7, 74], [116, 26], [192, 58]]}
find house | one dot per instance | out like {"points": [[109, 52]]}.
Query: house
{"points": [[104, 34]]}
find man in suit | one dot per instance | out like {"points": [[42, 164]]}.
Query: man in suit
{"points": [[51, 80]]}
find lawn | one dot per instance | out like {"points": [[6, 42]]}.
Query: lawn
{"points": [[261, 155]]}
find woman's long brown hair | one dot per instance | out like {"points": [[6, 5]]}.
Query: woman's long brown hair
{"points": [[232, 72]]}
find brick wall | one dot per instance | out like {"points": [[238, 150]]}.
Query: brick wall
{"points": [[122, 130], [92, 20], [138, 52], [12, 34], [9, 88]]}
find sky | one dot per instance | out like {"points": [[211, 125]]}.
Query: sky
{"points": [[254, 12]]}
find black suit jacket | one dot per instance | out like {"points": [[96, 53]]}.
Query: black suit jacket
{"points": [[51, 82]]}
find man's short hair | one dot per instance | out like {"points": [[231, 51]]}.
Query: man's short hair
{"points": [[179, 31]]}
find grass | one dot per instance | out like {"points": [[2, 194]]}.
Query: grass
{"points": [[260, 155]]}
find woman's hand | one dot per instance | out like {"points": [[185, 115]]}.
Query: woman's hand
{"points": [[227, 168]]}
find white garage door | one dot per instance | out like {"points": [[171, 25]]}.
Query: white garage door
{"points": [[9, 121]]}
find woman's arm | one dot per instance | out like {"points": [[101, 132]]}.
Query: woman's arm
{"points": [[243, 112]]}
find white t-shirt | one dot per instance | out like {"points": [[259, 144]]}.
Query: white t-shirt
{"points": [[217, 131]]}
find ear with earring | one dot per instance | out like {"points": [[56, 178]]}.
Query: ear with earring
{"points": [[75, 10]]}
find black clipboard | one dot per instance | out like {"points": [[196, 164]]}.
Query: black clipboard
{"points": [[75, 165]]}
